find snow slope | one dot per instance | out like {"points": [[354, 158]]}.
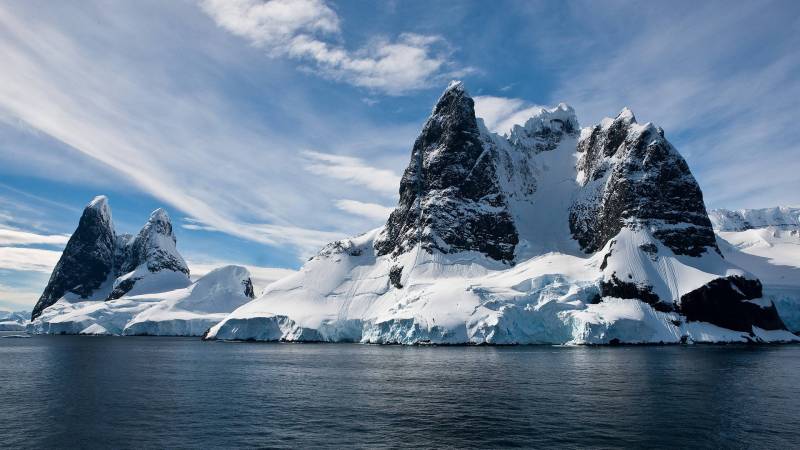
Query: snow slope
{"points": [[440, 271], [188, 311], [455, 299], [766, 242]]}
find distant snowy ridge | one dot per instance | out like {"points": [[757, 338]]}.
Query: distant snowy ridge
{"points": [[109, 283], [548, 234], [13, 320], [747, 219]]}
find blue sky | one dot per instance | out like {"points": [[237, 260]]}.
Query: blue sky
{"points": [[269, 129]]}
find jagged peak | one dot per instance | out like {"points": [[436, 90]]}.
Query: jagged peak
{"points": [[98, 208], [159, 215], [456, 85], [627, 115], [560, 118], [100, 201], [455, 93]]}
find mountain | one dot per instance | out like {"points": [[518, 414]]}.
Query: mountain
{"points": [[109, 283], [546, 234], [13, 320], [188, 311], [766, 242], [87, 260]]}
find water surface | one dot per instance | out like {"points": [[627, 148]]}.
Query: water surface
{"points": [[71, 391]]}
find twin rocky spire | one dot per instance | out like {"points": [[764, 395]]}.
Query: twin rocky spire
{"points": [[96, 257]]}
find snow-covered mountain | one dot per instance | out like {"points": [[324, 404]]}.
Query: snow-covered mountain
{"points": [[766, 242], [547, 234], [97, 263], [13, 320], [109, 283]]}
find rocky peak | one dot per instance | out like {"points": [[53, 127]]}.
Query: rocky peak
{"points": [[450, 199], [632, 176], [96, 256], [87, 260], [154, 245], [544, 130]]}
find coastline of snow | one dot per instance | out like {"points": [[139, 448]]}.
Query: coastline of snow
{"points": [[188, 311], [459, 299]]}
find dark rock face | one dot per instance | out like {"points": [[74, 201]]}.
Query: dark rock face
{"points": [[614, 287], [96, 254], [724, 302], [87, 259], [395, 274], [632, 176], [450, 199], [248, 288]]}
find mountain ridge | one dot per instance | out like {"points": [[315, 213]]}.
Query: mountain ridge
{"points": [[467, 256]]}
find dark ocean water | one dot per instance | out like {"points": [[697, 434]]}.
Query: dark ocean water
{"points": [[67, 391]]}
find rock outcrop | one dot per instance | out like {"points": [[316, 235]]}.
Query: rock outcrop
{"points": [[450, 196], [99, 264]]}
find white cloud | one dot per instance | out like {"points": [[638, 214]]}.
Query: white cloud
{"points": [[273, 24], [17, 299], [369, 210], [28, 259], [353, 170], [500, 114], [308, 31], [12, 236]]}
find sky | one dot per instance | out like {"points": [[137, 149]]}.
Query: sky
{"points": [[268, 129]]}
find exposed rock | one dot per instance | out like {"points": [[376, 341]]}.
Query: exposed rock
{"points": [[87, 260], [95, 256], [633, 177], [727, 302], [450, 198]]}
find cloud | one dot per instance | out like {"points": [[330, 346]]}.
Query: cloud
{"points": [[354, 171], [309, 31], [500, 114], [28, 259], [368, 210], [12, 236], [17, 299], [160, 117]]}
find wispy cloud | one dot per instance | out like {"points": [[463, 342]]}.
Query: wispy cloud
{"points": [[165, 133], [309, 31], [682, 67], [12, 236], [354, 171], [28, 259], [372, 211], [17, 298]]}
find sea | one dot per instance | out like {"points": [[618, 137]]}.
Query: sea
{"points": [[160, 392]]}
